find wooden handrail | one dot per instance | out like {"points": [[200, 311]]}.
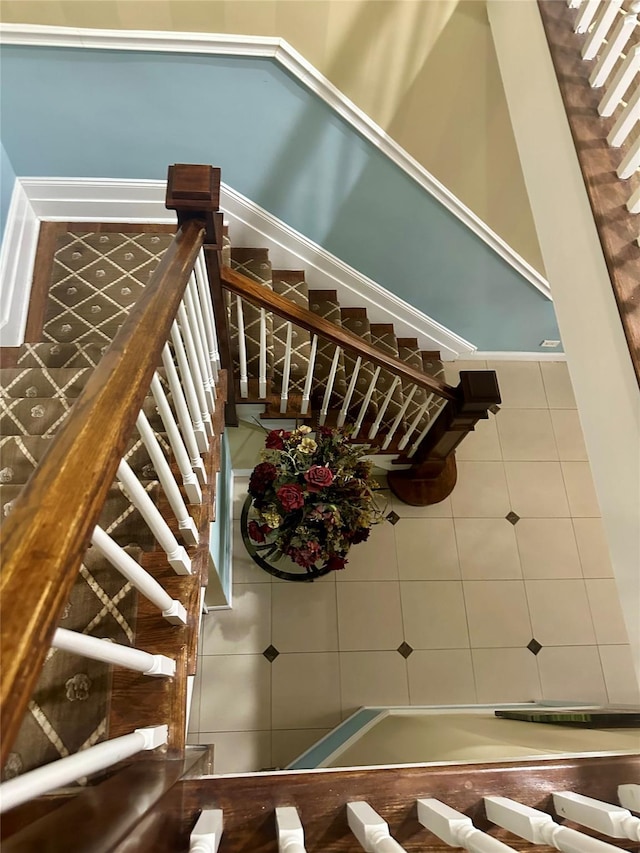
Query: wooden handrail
{"points": [[48, 531], [265, 298]]}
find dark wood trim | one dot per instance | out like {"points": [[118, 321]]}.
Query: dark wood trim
{"points": [[43, 265], [47, 533], [265, 298], [608, 195]]}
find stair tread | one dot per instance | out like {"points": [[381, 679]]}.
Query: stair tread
{"points": [[60, 355], [39, 382], [356, 321], [294, 287]]}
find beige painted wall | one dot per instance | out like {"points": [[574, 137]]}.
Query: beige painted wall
{"points": [[408, 739], [424, 70]]}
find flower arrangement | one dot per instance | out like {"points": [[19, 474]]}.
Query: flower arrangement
{"points": [[313, 496]]}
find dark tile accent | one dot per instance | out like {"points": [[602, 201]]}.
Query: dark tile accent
{"points": [[494, 409], [393, 517], [271, 653], [404, 649], [534, 646], [512, 517]]}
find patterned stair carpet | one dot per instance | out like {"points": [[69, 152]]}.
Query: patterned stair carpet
{"points": [[95, 279]]}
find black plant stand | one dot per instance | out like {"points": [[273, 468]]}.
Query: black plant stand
{"points": [[268, 555]]}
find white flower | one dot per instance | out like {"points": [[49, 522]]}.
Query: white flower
{"points": [[31, 391], [77, 688], [96, 309], [65, 328], [104, 238], [14, 766], [304, 429], [6, 475], [37, 412]]}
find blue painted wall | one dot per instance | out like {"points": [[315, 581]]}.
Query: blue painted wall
{"points": [[121, 114], [7, 180]]}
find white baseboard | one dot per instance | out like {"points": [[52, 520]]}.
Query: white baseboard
{"points": [[106, 200], [17, 258], [285, 55]]}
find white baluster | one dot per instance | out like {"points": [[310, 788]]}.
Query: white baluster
{"points": [[365, 402], [633, 205], [456, 829], [286, 370], [242, 350], [181, 455], [540, 828], [186, 524], [629, 796], [620, 83], [262, 368], [399, 417], [628, 117], [342, 416], [290, 831], [113, 653], [204, 294], [574, 4], [172, 610], [599, 32], [306, 393], [631, 161], [196, 321], [414, 423], [370, 829], [177, 557], [194, 367], [47, 778], [603, 817], [611, 54], [416, 444], [385, 405], [586, 16], [327, 391], [206, 834], [189, 389]]}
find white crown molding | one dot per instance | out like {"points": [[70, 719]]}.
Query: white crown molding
{"points": [[283, 53], [110, 200], [17, 257], [506, 355]]}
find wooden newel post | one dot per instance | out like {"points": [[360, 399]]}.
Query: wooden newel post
{"points": [[193, 191], [433, 473]]}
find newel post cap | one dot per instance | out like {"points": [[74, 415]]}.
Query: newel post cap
{"points": [[193, 187]]}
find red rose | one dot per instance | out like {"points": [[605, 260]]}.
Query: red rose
{"points": [[336, 563], [291, 497], [276, 439], [318, 477], [255, 531], [262, 476]]}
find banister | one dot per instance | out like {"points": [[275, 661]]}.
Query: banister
{"points": [[48, 531], [262, 297]]}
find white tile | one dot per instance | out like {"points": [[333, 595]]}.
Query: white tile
{"points": [[426, 549], [239, 752], [369, 616], [604, 600], [482, 443], [481, 491], [194, 715], [306, 691], [547, 548], [441, 677], [537, 489], [452, 368], [592, 547], [236, 693], [487, 549], [372, 678], [526, 434], [520, 384], [434, 615], [619, 675], [497, 613], [243, 630], [557, 385], [568, 434], [373, 560], [583, 502], [506, 675], [289, 744], [560, 614], [439, 510], [304, 617], [571, 674], [244, 570]]}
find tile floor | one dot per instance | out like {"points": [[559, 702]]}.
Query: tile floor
{"points": [[489, 608]]}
